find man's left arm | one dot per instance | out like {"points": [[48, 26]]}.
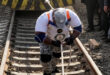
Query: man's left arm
{"points": [[76, 24], [76, 31]]}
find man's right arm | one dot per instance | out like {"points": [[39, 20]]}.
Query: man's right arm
{"points": [[41, 29], [42, 38]]}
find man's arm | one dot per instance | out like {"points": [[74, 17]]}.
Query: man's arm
{"points": [[41, 29], [106, 6], [77, 30], [41, 38], [75, 23]]}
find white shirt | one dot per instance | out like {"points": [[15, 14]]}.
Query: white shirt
{"points": [[51, 31]]}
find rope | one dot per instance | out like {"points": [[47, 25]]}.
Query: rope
{"points": [[48, 2], [62, 59], [70, 58]]}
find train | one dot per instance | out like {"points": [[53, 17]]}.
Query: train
{"points": [[35, 4]]}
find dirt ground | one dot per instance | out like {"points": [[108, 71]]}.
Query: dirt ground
{"points": [[101, 56]]}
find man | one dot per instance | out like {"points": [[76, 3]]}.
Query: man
{"points": [[91, 6], [101, 13], [52, 28], [107, 11]]}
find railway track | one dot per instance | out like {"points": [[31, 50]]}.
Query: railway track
{"points": [[5, 14], [21, 56]]}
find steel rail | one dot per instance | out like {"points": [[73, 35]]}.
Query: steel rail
{"points": [[6, 49], [88, 57]]}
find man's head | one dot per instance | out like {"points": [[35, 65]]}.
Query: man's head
{"points": [[59, 17]]}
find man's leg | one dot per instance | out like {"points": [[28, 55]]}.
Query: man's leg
{"points": [[45, 58], [56, 54], [91, 5], [102, 14], [108, 36], [104, 23]]}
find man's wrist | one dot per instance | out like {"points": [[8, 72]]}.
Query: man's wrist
{"points": [[47, 41], [56, 43], [73, 37]]}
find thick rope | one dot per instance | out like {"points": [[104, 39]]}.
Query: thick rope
{"points": [[62, 59], [48, 2], [69, 58]]}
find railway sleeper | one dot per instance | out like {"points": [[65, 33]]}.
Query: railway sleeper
{"points": [[79, 72], [26, 42], [20, 47], [24, 35], [36, 60], [26, 28], [25, 31], [36, 68], [32, 54]]}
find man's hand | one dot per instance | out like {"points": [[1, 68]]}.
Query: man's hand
{"points": [[56, 43], [106, 9], [69, 40]]}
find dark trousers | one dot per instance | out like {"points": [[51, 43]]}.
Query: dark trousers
{"points": [[107, 25], [91, 7], [104, 22], [102, 14], [105, 18]]}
